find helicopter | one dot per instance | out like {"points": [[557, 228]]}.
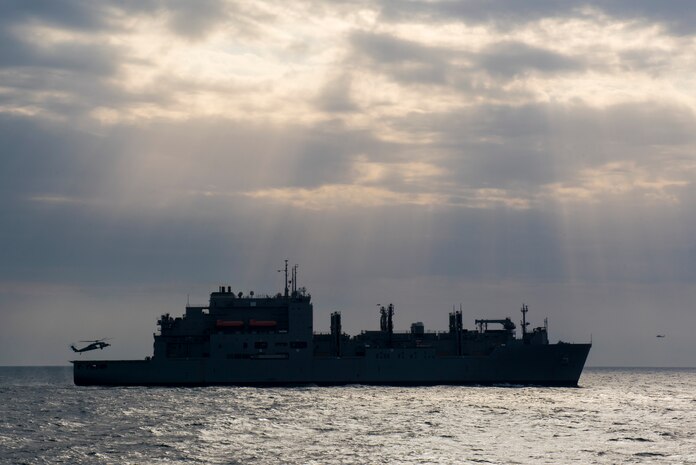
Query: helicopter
{"points": [[95, 344]]}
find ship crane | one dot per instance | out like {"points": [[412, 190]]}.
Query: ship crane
{"points": [[507, 323]]}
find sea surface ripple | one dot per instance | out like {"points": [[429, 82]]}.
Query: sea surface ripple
{"points": [[616, 416]]}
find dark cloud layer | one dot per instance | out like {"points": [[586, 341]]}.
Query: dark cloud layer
{"points": [[512, 58], [409, 62], [73, 14], [402, 59], [87, 59], [676, 15]]}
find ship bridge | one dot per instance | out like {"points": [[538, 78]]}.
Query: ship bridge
{"points": [[238, 325]]}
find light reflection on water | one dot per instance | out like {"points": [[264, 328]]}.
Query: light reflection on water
{"points": [[617, 416]]}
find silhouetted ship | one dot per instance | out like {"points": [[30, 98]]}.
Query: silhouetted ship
{"points": [[269, 340]]}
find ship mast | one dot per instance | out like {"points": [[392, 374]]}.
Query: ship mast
{"points": [[524, 311], [287, 291]]}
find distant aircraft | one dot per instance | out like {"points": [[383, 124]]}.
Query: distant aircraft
{"points": [[95, 344], [660, 335]]}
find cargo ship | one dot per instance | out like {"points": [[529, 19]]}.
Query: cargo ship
{"points": [[268, 340]]}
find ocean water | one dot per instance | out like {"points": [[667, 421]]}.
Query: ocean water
{"points": [[616, 416]]}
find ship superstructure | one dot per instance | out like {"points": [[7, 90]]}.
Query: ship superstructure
{"points": [[252, 339]]}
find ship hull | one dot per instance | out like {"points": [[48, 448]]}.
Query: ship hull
{"points": [[542, 365]]}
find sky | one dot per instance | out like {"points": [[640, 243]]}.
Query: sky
{"points": [[426, 153]]}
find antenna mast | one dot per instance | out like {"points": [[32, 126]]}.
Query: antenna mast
{"points": [[524, 311], [287, 291]]}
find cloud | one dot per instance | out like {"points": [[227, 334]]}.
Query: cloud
{"points": [[195, 19], [404, 60], [88, 59], [676, 16], [335, 96], [477, 11], [619, 179], [343, 195], [509, 59], [71, 14], [523, 148]]}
